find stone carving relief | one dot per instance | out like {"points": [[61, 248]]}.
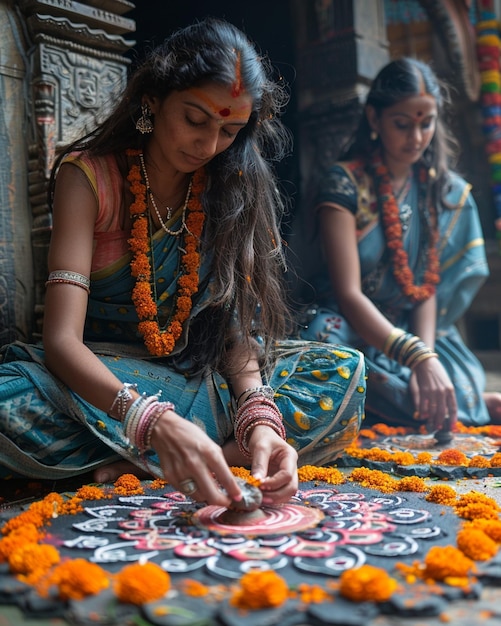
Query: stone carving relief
{"points": [[85, 88], [76, 67]]}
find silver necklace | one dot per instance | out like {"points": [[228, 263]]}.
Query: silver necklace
{"points": [[174, 233]]}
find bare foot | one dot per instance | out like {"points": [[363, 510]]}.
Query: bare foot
{"points": [[493, 401], [109, 473]]}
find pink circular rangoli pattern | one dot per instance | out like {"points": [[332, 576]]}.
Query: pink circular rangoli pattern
{"points": [[287, 518]]}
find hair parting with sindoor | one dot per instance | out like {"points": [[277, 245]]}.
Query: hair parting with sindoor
{"points": [[242, 201]]}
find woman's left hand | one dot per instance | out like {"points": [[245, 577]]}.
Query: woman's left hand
{"points": [[434, 396], [274, 461]]}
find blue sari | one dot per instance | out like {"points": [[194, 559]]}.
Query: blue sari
{"points": [[463, 269], [48, 431]]}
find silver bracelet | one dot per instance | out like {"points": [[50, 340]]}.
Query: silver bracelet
{"points": [[262, 390], [121, 399], [70, 278]]}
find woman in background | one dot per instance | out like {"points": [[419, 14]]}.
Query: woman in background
{"points": [[403, 257]]}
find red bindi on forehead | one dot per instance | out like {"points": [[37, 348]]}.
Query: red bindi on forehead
{"points": [[224, 112]]}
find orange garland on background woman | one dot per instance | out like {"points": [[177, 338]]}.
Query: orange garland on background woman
{"points": [[161, 342], [390, 215]]}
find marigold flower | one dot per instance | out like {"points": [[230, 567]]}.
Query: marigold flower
{"points": [[329, 475], [38, 513], [495, 460], [475, 544], [158, 483], [412, 483], [374, 479], [400, 457], [176, 329], [141, 267], [473, 510], [367, 584], [479, 461], [442, 562], [442, 494], [91, 492], [260, 590], [140, 583], [78, 579], [473, 505], [240, 472], [18, 537], [424, 458], [491, 527], [32, 557], [377, 454], [452, 456], [128, 485]]}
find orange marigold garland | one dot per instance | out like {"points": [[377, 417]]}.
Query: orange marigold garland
{"points": [[390, 216], [161, 342]]}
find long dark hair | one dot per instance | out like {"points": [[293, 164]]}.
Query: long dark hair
{"points": [[243, 201], [396, 81]]}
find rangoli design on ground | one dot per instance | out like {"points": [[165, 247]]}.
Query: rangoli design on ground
{"points": [[324, 531]]}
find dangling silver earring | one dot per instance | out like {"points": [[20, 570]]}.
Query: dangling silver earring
{"points": [[145, 124], [373, 135]]}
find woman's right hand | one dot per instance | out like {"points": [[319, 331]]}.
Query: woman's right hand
{"points": [[433, 394], [187, 453]]}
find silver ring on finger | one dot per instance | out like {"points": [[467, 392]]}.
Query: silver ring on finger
{"points": [[188, 486]]}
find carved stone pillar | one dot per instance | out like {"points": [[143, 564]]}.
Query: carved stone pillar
{"points": [[341, 45], [77, 68], [16, 275]]}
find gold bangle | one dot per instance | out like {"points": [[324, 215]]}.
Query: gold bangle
{"points": [[390, 340], [408, 344], [422, 357], [414, 350]]}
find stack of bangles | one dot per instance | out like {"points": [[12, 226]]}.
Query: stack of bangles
{"points": [[258, 409], [406, 348], [140, 417]]}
